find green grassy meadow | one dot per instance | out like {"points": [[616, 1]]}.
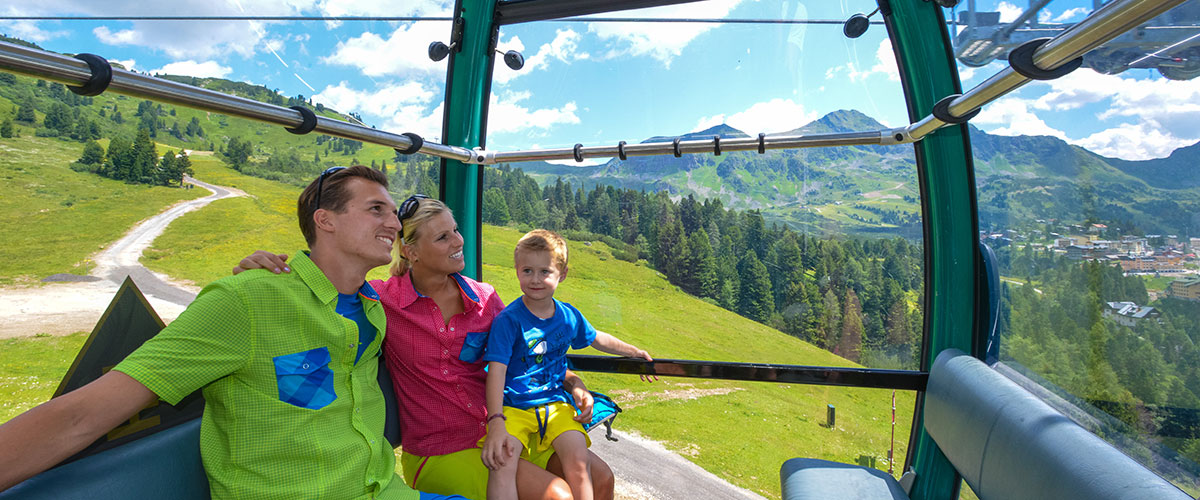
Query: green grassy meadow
{"points": [[739, 431], [53, 219]]}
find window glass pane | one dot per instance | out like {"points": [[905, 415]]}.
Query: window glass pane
{"points": [[805, 257], [1086, 193]]}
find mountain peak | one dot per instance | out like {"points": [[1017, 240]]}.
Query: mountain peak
{"points": [[840, 121]]}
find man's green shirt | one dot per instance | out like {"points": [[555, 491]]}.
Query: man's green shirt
{"points": [[288, 414]]}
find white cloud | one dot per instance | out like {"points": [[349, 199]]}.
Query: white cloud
{"points": [[206, 69], [1164, 112], [384, 7], [129, 64], [507, 114], [403, 52], [1009, 12], [28, 30], [564, 48], [662, 41], [884, 64], [178, 39], [403, 107], [1070, 15], [1140, 141], [1014, 118], [776, 115]]}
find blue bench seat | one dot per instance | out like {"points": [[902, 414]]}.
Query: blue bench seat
{"points": [[1005, 443]]}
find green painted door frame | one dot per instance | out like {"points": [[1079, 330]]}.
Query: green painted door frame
{"points": [[928, 72], [922, 47], [468, 85]]}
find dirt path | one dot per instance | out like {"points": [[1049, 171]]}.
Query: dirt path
{"points": [[75, 303]]}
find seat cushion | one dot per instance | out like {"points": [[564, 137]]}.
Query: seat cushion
{"points": [[165, 464], [815, 479]]}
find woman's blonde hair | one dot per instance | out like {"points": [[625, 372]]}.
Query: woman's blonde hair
{"points": [[410, 232]]}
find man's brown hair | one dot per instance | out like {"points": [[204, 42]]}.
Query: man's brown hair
{"points": [[333, 195]]}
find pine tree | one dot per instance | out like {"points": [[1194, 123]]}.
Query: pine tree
{"points": [[831, 319], [145, 159], [25, 113], [118, 159], [495, 209], [93, 154], [850, 343], [6, 129], [165, 172], [755, 300], [700, 275]]}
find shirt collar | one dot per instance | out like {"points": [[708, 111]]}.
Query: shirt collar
{"points": [[409, 293], [320, 285]]}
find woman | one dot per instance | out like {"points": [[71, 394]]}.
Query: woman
{"points": [[432, 312]]}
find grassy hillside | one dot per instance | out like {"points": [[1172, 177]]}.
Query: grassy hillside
{"points": [[53, 219]]}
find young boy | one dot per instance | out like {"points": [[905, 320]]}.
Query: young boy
{"points": [[526, 354]]}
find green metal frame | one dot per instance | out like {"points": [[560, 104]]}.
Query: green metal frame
{"points": [[948, 203], [943, 159], [468, 85]]}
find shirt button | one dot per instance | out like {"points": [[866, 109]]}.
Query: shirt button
{"points": [[445, 351], [452, 328], [444, 372], [441, 329], [304, 366], [468, 405]]}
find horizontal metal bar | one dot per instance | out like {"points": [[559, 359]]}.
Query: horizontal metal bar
{"points": [[225, 18], [692, 20], [903, 380], [707, 146], [1103, 25], [71, 71]]}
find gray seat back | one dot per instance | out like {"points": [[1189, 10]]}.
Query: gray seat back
{"points": [[1008, 444]]}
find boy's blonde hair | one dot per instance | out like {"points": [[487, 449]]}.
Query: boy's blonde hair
{"points": [[541, 240], [410, 232]]}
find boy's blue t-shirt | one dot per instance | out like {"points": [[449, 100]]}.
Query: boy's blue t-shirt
{"points": [[534, 376]]}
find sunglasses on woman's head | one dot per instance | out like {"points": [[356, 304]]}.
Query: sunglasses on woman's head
{"points": [[409, 207]]}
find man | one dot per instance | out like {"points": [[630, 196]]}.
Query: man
{"points": [[287, 364]]}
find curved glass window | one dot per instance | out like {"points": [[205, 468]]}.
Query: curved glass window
{"points": [[1086, 194], [803, 256]]}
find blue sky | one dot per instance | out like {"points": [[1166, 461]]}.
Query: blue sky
{"points": [[598, 83]]}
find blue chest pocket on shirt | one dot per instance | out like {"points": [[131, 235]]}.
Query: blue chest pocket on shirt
{"points": [[473, 346], [305, 378]]}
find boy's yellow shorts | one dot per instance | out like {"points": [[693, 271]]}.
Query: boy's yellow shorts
{"points": [[557, 417]]}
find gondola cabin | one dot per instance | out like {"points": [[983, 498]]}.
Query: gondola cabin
{"points": [[921, 249]]}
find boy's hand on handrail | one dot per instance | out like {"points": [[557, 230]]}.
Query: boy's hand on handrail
{"points": [[262, 259], [581, 395]]}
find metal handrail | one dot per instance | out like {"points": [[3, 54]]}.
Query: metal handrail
{"points": [[71, 71], [1103, 25]]}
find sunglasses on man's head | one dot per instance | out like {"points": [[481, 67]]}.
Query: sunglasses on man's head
{"points": [[321, 184], [409, 207]]}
